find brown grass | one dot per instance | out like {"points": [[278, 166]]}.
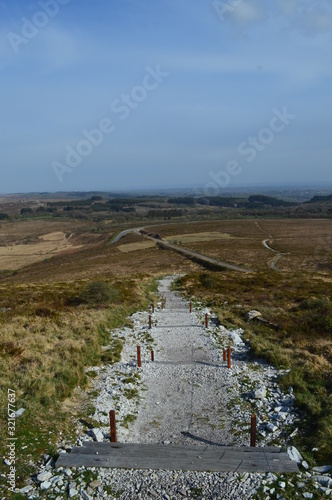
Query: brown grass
{"points": [[17, 256], [133, 247]]}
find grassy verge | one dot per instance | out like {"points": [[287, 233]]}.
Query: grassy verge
{"points": [[48, 338], [301, 340]]}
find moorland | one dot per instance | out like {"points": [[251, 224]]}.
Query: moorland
{"points": [[66, 282]]}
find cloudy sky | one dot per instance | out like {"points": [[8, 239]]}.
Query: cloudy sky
{"points": [[123, 94]]}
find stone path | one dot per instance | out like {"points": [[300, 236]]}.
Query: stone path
{"points": [[185, 404]]}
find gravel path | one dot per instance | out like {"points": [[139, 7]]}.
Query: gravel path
{"points": [[186, 396]]}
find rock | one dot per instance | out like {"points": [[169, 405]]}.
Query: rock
{"points": [[260, 393], [305, 464], [44, 476], [237, 340], [95, 484], [324, 480], [294, 454], [97, 435], [45, 485], [253, 314], [307, 495], [19, 412], [322, 469], [72, 492], [26, 489], [271, 427], [85, 496], [282, 484], [295, 431]]}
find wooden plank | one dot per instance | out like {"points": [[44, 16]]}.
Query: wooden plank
{"points": [[190, 458]]}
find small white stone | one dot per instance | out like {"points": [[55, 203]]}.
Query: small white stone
{"points": [[294, 454], [44, 476], [45, 485], [260, 393], [19, 412]]}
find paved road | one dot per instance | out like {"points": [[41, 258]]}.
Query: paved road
{"points": [[123, 233], [183, 251]]}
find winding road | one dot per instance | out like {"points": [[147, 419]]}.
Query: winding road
{"points": [[204, 259]]}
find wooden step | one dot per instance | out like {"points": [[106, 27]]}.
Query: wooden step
{"points": [[170, 457]]}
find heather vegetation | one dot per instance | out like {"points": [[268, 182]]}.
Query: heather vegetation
{"points": [[49, 336], [67, 287]]}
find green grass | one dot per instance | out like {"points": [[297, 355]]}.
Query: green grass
{"points": [[45, 357]]}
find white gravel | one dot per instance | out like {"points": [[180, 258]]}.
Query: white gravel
{"points": [[187, 396]]}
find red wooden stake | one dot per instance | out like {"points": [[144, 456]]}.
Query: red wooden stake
{"points": [[150, 321], [229, 357], [152, 356], [162, 305], [191, 307], [206, 320], [113, 426], [224, 355], [139, 356], [253, 430]]}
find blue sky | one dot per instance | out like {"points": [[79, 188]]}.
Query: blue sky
{"points": [[116, 95]]}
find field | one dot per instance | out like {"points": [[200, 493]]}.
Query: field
{"points": [[67, 286]]}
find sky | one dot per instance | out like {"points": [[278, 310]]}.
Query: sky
{"points": [[132, 94]]}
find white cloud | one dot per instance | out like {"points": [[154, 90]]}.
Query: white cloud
{"points": [[247, 11]]}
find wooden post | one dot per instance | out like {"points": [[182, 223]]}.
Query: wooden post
{"points": [[253, 430], [113, 426], [206, 320], [229, 357], [150, 321], [162, 305], [224, 355], [139, 364], [191, 307], [152, 356]]}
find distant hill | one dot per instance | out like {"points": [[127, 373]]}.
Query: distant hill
{"points": [[320, 199]]}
